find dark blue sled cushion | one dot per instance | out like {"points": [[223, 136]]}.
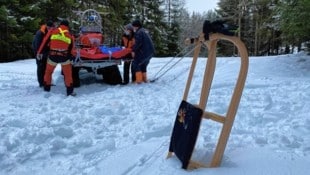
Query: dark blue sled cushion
{"points": [[185, 131]]}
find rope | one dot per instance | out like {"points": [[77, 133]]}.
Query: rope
{"points": [[186, 69], [171, 60], [157, 76], [179, 74]]}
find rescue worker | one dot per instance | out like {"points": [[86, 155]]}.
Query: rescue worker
{"points": [[37, 40], [60, 43], [127, 42], [142, 52]]}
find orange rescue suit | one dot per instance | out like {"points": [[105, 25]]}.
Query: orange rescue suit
{"points": [[60, 43]]}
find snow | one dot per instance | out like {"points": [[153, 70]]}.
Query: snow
{"points": [[126, 129]]}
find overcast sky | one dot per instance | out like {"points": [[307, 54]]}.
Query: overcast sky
{"points": [[201, 5]]}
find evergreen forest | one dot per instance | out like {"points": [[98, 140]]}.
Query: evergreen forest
{"points": [[268, 27]]}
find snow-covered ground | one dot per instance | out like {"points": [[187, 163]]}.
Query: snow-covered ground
{"points": [[116, 130]]}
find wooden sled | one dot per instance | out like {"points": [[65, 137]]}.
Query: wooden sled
{"points": [[228, 120]]}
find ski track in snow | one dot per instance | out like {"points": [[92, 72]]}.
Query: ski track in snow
{"points": [[101, 126]]}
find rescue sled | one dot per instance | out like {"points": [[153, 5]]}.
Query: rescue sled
{"points": [[89, 51], [189, 116], [91, 54]]}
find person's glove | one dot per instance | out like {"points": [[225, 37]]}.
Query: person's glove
{"points": [[39, 57]]}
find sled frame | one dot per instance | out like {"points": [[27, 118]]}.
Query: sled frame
{"points": [[228, 120]]}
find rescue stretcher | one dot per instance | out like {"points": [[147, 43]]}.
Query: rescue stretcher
{"points": [[95, 59], [89, 51]]}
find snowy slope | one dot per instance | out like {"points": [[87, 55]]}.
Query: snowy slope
{"points": [[126, 129]]}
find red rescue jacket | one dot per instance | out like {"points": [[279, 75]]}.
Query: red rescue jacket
{"points": [[128, 42], [58, 39]]}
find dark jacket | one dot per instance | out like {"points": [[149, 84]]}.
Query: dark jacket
{"points": [[38, 38], [143, 46]]}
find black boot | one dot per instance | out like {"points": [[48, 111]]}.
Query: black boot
{"points": [[47, 88], [70, 91]]}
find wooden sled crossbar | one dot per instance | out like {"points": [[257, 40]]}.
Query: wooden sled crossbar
{"points": [[227, 120]]}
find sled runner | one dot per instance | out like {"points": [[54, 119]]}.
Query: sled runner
{"points": [[189, 116]]}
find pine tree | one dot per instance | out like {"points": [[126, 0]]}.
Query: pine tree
{"points": [[173, 13], [294, 23], [154, 22]]}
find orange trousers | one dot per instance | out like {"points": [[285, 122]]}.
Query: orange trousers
{"points": [[66, 69]]}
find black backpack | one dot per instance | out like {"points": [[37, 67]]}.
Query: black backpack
{"points": [[218, 26]]}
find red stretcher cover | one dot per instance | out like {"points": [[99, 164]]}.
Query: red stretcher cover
{"points": [[92, 49], [96, 53], [91, 39]]}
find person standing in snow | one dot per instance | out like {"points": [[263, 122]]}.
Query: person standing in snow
{"points": [[142, 52], [60, 43], [37, 40], [127, 42]]}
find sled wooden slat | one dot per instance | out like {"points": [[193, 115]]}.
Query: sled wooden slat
{"points": [[198, 43], [235, 100], [229, 118], [214, 117]]}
